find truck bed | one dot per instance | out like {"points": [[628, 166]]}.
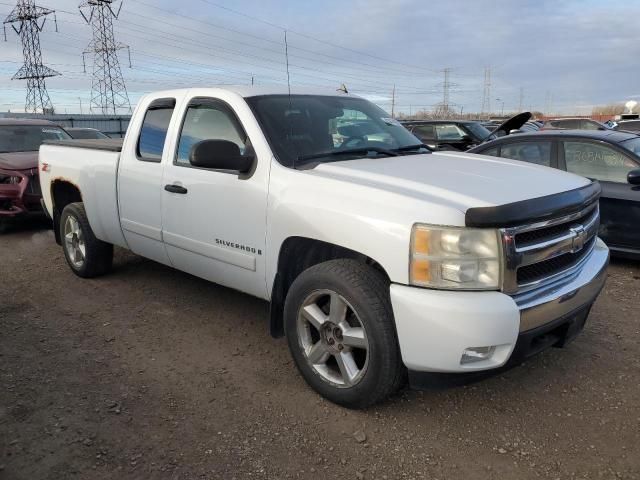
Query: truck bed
{"points": [[106, 144]]}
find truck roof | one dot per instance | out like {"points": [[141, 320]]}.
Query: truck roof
{"points": [[258, 90]]}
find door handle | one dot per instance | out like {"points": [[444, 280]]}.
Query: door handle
{"points": [[175, 189]]}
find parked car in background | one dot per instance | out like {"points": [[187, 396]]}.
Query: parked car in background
{"points": [[20, 141], [575, 124], [612, 158], [458, 135], [86, 133], [382, 261], [628, 125]]}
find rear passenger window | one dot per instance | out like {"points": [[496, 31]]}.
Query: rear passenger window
{"points": [[154, 129], [532, 152]]}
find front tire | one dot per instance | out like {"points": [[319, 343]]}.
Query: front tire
{"points": [[340, 330], [87, 256]]}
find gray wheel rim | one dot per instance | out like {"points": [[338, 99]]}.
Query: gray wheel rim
{"points": [[333, 339], [74, 242]]}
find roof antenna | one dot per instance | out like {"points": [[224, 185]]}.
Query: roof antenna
{"points": [[286, 54], [343, 89]]}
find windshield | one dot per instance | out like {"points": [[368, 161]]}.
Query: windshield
{"points": [[28, 138], [480, 132], [321, 127], [632, 144]]}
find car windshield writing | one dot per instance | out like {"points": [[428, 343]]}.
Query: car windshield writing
{"points": [[28, 138], [307, 126]]}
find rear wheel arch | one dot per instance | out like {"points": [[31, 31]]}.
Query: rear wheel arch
{"points": [[296, 255], [63, 193]]}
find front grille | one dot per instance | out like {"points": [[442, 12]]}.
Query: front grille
{"points": [[533, 236], [543, 251], [547, 268]]}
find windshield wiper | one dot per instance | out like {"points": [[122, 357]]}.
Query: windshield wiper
{"points": [[351, 151], [408, 148]]}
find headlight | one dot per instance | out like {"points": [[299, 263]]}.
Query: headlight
{"points": [[455, 258]]}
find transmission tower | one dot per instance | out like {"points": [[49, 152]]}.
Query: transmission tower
{"points": [[446, 86], [486, 96], [27, 20], [108, 91]]}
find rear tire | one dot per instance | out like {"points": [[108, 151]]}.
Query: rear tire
{"points": [[341, 332], [87, 256]]}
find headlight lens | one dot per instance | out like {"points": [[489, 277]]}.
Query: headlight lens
{"points": [[455, 258]]}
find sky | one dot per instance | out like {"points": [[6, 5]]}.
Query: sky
{"points": [[556, 57]]}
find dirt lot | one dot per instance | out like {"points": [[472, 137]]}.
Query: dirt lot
{"points": [[150, 373]]}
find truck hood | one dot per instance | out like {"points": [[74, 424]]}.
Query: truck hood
{"points": [[19, 160], [457, 180]]}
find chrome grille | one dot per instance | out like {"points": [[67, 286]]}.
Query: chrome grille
{"points": [[540, 252]]}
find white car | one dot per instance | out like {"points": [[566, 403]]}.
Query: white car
{"points": [[379, 259]]}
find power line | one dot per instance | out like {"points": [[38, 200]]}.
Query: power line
{"points": [[27, 14]]}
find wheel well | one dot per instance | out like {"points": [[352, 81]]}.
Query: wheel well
{"points": [[296, 255], [62, 194]]}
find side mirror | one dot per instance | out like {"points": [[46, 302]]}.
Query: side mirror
{"points": [[221, 155], [514, 131], [633, 177]]}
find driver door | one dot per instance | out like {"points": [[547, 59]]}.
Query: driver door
{"points": [[214, 221]]}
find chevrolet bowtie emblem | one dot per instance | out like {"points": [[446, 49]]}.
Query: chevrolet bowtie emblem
{"points": [[579, 238]]}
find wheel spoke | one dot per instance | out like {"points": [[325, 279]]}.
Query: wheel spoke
{"points": [[314, 315], [74, 225], [354, 337], [337, 309], [69, 236], [82, 250], [347, 365], [318, 353]]}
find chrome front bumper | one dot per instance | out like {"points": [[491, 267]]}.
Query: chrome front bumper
{"points": [[566, 295]]}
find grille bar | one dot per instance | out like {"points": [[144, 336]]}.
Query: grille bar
{"points": [[540, 252]]}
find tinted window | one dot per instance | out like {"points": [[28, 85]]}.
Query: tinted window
{"points": [[597, 161], [565, 123], [154, 131], [590, 125], [492, 152], [28, 138], [532, 152], [209, 121], [449, 132], [480, 132], [633, 126], [87, 134], [426, 132]]}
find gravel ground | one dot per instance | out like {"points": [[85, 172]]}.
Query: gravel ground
{"points": [[149, 373]]}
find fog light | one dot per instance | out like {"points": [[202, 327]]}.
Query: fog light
{"points": [[476, 354]]}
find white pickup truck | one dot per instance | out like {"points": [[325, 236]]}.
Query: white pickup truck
{"points": [[383, 262]]}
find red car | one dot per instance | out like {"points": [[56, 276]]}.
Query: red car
{"points": [[20, 141]]}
